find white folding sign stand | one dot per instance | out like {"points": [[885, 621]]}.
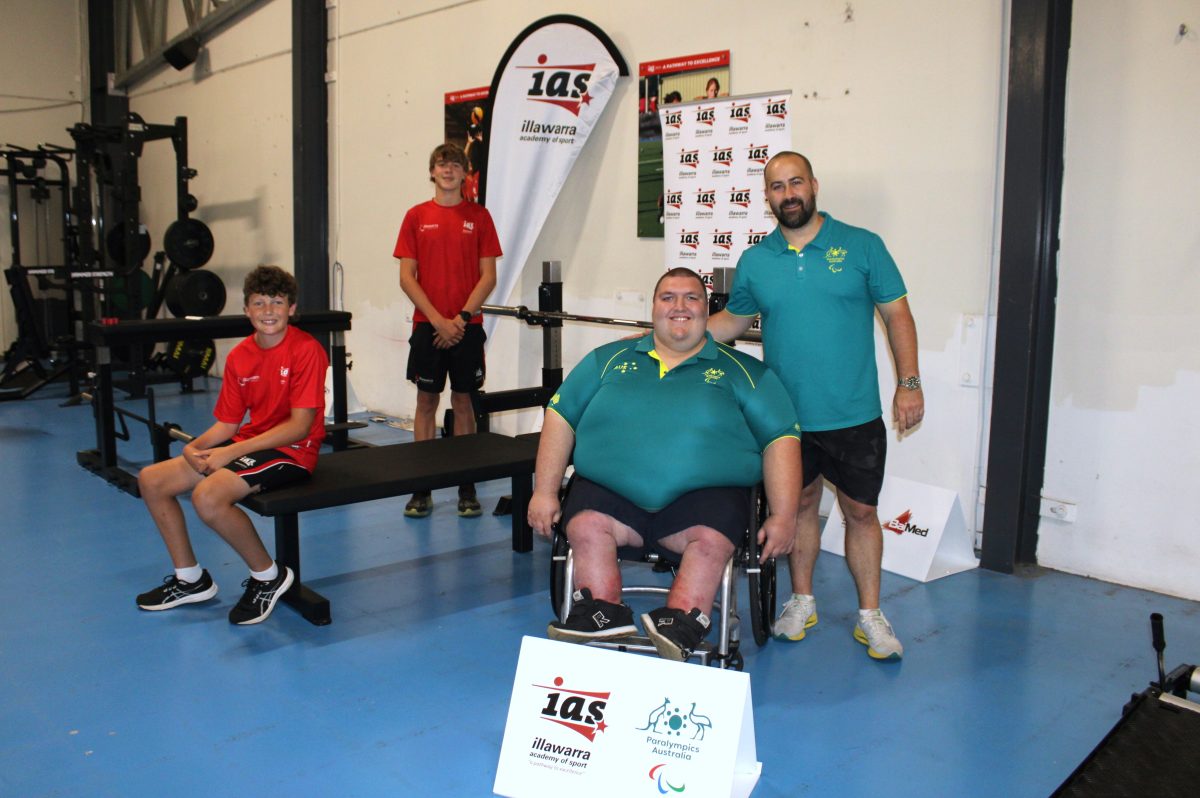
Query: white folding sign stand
{"points": [[924, 533], [590, 722]]}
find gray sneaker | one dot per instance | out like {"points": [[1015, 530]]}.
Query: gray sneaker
{"points": [[874, 632], [799, 614]]}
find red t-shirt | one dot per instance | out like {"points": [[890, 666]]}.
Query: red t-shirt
{"points": [[447, 243], [269, 383]]}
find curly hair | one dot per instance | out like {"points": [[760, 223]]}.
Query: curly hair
{"points": [[269, 281]]}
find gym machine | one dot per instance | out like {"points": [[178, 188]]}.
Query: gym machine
{"points": [[1152, 750], [43, 323]]}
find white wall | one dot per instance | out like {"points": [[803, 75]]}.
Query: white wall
{"points": [[1123, 441], [41, 95]]}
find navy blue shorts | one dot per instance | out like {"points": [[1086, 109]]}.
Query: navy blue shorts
{"points": [[727, 510]]}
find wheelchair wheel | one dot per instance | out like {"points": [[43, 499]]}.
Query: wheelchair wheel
{"points": [[762, 583], [558, 570]]}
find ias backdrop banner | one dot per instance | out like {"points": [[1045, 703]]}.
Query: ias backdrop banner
{"points": [[714, 153], [548, 93]]}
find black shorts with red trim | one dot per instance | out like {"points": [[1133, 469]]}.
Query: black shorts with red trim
{"points": [[270, 468]]}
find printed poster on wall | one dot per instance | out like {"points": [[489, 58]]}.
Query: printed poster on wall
{"points": [[466, 113], [667, 82], [714, 154]]}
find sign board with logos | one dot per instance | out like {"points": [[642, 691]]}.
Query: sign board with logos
{"points": [[587, 722], [925, 535]]}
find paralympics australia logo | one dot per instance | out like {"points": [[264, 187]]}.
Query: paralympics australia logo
{"points": [[672, 720], [713, 375], [835, 257], [658, 774]]}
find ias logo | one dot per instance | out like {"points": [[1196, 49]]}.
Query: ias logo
{"points": [[565, 86], [673, 198], [777, 108], [739, 196], [758, 153], [689, 158], [706, 116], [689, 238], [754, 236], [722, 156], [706, 197], [739, 113], [673, 118], [581, 711], [724, 240]]}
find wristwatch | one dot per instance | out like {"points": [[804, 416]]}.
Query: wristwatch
{"points": [[911, 383], [465, 315]]}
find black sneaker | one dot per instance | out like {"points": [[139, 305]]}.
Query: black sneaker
{"points": [[260, 597], [419, 506], [468, 507], [593, 619], [675, 634], [174, 591]]}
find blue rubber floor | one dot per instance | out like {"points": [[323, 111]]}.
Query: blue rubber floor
{"points": [[1008, 682]]}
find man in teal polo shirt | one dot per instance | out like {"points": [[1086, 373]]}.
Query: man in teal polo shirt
{"points": [[668, 431], [817, 282]]}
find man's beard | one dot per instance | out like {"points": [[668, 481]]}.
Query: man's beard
{"points": [[796, 216]]}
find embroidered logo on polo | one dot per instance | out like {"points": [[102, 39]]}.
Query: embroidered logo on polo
{"points": [[835, 256], [626, 365], [712, 375]]}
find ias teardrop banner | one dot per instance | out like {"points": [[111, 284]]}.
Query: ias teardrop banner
{"points": [[549, 90]]}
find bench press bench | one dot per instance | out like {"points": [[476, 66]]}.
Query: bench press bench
{"points": [[381, 472]]}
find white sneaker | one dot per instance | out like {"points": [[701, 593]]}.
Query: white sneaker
{"points": [[874, 632], [799, 613]]}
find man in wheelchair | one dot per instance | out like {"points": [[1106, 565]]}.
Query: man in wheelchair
{"points": [[667, 432]]}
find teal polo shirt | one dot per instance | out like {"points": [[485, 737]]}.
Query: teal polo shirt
{"points": [[818, 318], [651, 435]]}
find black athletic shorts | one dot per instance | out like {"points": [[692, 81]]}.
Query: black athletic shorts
{"points": [[851, 458], [428, 365], [727, 510], [270, 468]]}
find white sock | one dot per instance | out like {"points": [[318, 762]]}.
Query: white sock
{"points": [[803, 597], [868, 613], [191, 574], [267, 575]]}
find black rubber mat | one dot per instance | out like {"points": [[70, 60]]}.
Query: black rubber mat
{"points": [[1154, 750]]}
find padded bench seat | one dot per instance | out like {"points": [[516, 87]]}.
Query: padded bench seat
{"points": [[381, 472]]}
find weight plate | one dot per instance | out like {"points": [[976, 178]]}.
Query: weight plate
{"points": [[189, 243], [195, 293], [191, 358], [114, 244]]}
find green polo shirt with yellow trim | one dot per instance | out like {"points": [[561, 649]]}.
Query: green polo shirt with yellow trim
{"points": [[651, 435], [818, 318]]}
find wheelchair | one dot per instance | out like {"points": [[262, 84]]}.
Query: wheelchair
{"points": [[724, 651]]}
